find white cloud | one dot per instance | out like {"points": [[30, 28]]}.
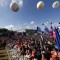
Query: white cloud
{"points": [[55, 24], [12, 27], [20, 28], [30, 26], [34, 26], [4, 3], [27, 27], [15, 28], [9, 27], [32, 22], [25, 24]]}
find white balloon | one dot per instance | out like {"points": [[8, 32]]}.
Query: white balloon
{"points": [[20, 3], [56, 4], [47, 22], [14, 7], [40, 5]]}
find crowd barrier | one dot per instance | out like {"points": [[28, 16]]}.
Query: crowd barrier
{"points": [[15, 55]]}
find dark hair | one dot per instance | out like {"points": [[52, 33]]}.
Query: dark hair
{"points": [[44, 55]]}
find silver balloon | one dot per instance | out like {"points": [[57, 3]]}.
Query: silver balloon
{"points": [[56, 4], [14, 7]]}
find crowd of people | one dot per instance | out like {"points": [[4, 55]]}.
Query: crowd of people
{"points": [[37, 48]]}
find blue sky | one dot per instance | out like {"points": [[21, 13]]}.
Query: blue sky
{"points": [[29, 15]]}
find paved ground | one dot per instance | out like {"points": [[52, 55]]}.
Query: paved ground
{"points": [[3, 54]]}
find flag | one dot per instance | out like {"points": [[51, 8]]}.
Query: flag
{"points": [[57, 38], [53, 33], [59, 30], [46, 30], [38, 29]]}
